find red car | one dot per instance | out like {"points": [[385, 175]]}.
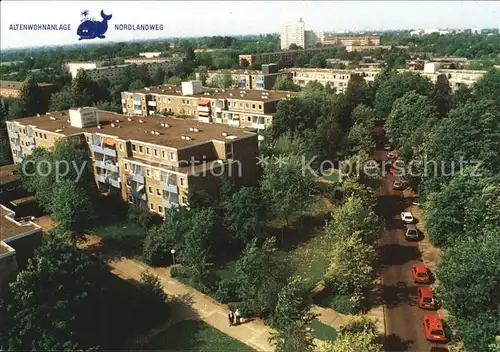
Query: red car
{"points": [[434, 328], [425, 299], [420, 273]]}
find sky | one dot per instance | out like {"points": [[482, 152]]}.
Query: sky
{"points": [[206, 18]]}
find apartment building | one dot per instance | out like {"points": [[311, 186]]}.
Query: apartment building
{"points": [[336, 78], [249, 79], [352, 41], [286, 57], [297, 34], [366, 48], [18, 240], [235, 107], [10, 182], [12, 89], [152, 161], [456, 78], [96, 71]]}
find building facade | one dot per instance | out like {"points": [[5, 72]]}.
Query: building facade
{"points": [[233, 107], [96, 71], [336, 78], [285, 57], [12, 89], [18, 240], [249, 79], [153, 161], [352, 41]]}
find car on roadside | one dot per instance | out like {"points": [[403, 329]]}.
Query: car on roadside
{"points": [[433, 328], [425, 298], [411, 232], [387, 146], [420, 274], [407, 217]]}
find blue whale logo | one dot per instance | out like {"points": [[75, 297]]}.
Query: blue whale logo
{"points": [[90, 29]]}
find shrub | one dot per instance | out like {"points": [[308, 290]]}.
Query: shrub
{"points": [[225, 291]]}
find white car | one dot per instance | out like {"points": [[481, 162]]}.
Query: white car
{"points": [[407, 217]]}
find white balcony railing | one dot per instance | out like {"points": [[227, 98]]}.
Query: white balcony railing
{"points": [[152, 103], [203, 108]]}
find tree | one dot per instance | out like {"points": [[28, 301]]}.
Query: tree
{"points": [[295, 339], [288, 186], [31, 95], [62, 100], [293, 46], [292, 308], [482, 213], [5, 153], [359, 91], [286, 84], [360, 138], [222, 81], [411, 117], [353, 343], [479, 262], [447, 146], [488, 86], [260, 275], [245, 225], [158, 77], [442, 95], [395, 86], [351, 267], [108, 106], [318, 61], [72, 209], [17, 109]]}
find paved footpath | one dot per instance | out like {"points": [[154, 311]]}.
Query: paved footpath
{"points": [[253, 333]]}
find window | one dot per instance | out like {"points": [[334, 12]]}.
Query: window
{"points": [[152, 206], [150, 190], [182, 182], [134, 147], [253, 106], [148, 151], [125, 166], [172, 156], [22, 143], [45, 136], [160, 209], [148, 172], [163, 154], [121, 146], [228, 103], [155, 152], [249, 118], [260, 106], [158, 192], [36, 135], [87, 138], [184, 200], [141, 150], [247, 105]]}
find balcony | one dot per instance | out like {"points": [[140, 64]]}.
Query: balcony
{"points": [[124, 110], [203, 108], [170, 188], [218, 120], [151, 103], [31, 140], [138, 195], [169, 205], [114, 183], [137, 178], [259, 126], [138, 112], [235, 123], [204, 119], [106, 165]]}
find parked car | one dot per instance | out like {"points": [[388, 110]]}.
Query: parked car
{"points": [[425, 298], [411, 232], [407, 217], [398, 185], [434, 328], [420, 273], [387, 146]]}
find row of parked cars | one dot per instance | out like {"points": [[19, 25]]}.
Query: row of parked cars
{"points": [[432, 324]]}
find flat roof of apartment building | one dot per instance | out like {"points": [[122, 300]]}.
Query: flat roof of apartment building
{"points": [[8, 174], [221, 93], [9, 227], [240, 71], [140, 128], [17, 84]]}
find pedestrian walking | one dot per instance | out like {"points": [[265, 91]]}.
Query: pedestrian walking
{"points": [[237, 314], [231, 318]]}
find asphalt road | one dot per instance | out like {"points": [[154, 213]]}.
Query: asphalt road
{"points": [[404, 325]]}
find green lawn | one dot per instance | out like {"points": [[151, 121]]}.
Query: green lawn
{"points": [[194, 335], [122, 235], [323, 332]]}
